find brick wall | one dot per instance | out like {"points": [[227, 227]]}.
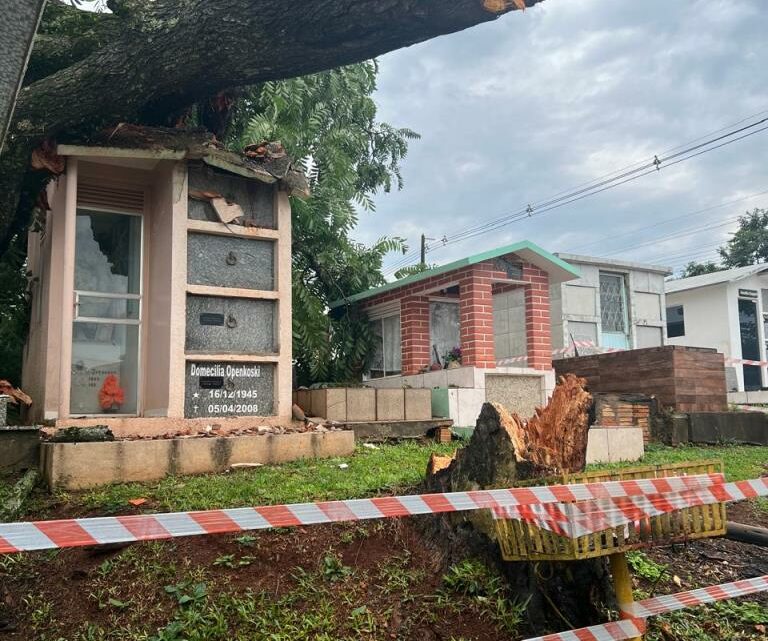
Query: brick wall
{"points": [[685, 379], [475, 284]]}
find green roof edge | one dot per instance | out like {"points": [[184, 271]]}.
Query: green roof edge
{"points": [[458, 264]]}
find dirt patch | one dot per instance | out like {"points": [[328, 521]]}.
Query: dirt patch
{"points": [[382, 567]]}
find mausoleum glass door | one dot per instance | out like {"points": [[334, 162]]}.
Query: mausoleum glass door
{"points": [[613, 311], [107, 321]]}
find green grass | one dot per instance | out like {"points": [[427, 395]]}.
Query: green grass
{"points": [[741, 461], [389, 469]]}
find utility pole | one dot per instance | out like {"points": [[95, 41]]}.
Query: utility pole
{"points": [[423, 250]]}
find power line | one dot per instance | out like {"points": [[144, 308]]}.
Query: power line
{"points": [[668, 220], [597, 186]]}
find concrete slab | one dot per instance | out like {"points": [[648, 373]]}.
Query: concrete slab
{"points": [[330, 403], [304, 400], [376, 431], [614, 444], [19, 448], [597, 446], [729, 427], [76, 466], [390, 404], [470, 402], [625, 444], [418, 404], [361, 404]]}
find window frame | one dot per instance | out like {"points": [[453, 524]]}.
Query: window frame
{"points": [[385, 373], [681, 322]]}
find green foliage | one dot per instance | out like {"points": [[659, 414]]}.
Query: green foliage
{"points": [[749, 244], [411, 270], [697, 269], [14, 317], [327, 121], [472, 578], [645, 567], [333, 568], [487, 593]]}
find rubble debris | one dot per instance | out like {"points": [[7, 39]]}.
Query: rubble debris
{"points": [[298, 413], [82, 434], [15, 393], [46, 158]]}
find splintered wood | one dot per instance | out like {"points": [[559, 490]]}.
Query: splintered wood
{"points": [[556, 436]]}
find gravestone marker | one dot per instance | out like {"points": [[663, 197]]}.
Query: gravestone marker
{"points": [[216, 389]]}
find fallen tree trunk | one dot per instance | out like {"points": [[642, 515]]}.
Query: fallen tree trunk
{"points": [[504, 451], [149, 61], [752, 534]]}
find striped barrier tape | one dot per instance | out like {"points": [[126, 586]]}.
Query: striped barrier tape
{"points": [[614, 631], [562, 350], [641, 610], [742, 361], [42, 535], [587, 517]]}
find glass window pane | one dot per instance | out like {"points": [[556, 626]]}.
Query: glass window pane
{"points": [[612, 303], [675, 321], [444, 333], [107, 252], [392, 353], [99, 307], [104, 368], [377, 361]]}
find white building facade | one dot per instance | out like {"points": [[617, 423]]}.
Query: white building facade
{"points": [[613, 305], [726, 310]]}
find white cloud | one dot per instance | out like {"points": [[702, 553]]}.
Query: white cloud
{"points": [[530, 105]]}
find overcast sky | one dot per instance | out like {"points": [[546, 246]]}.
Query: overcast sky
{"points": [[539, 102]]}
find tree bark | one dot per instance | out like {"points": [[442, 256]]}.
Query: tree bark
{"points": [[170, 54], [560, 595]]}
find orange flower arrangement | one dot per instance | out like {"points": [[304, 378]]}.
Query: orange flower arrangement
{"points": [[111, 393]]}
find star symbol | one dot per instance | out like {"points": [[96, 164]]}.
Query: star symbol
{"points": [[196, 395]]}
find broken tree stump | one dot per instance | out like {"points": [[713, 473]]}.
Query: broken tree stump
{"points": [[504, 451]]}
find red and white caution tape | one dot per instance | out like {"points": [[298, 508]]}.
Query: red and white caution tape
{"points": [[614, 631], [562, 350], [671, 602], [641, 610], [587, 517], [742, 361], [42, 535]]}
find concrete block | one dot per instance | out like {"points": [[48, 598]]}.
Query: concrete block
{"points": [[76, 466], [415, 381], [460, 377], [390, 404], [729, 427], [418, 404], [303, 400], [396, 430], [470, 402], [4, 410], [625, 444], [19, 448], [361, 404], [438, 378], [597, 446], [330, 403], [440, 402]]}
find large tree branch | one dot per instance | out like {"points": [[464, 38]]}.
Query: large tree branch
{"points": [[169, 54]]}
